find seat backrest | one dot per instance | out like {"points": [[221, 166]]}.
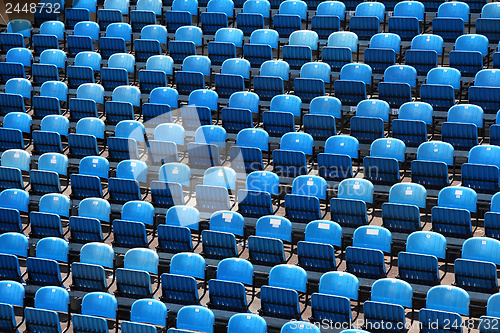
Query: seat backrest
{"points": [[97, 254], [388, 148], [221, 6], [20, 55], [175, 172], [195, 317], [52, 248], [220, 176], [245, 100], [372, 237], [286, 103], [94, 208], [401, 74], [164, 95], [289, 277], [458, 197], [343, 39], [392, 291], [19, 26], [472, 42], [122, 60], [292, 7], [229, 35], [436, 151], [89, 59], [416, 111], [493, 306], [189, 34], [91, 91], [170, 132], [142, 260], [195, 63], [487, 78], [331, 8], [211, 134], [263, 181], [190, 6], [121, 5], [376, 9], [236, 66], [188, 264], [87, 28], [265, 36], [55, 89], [428, 243], [12, 292], [373, 108], [358, 189], [316, 70], [386, 41], [325, 232], [303, 142], [149, 311], [257, 7], [454, 9], [14, 243], [204, 97], [130, 129], [410, 9], [490, 10], [52, 298], [326, 105], [19, 86], [428, 42], [444, 76], [246, 322], [99, 304], [408, 194], [14, 199], [466, 113], [155, 32], [18, 120], [127, 94], [482, 249], [235, 269], [277, 68], [310, 185], [304, 38], [55, 28], [53, 162], [227, 221], [495, 203], [448, 298], [253, 138], [138, 211], [299, 327], [91, 126], [339, 284], [54, 203], [274, 227], [94, 165], [16, 158], [357, 72], [342, 144], [184, 216], [132, 169], [152, 5], [161, 63], [119, 30], [55, 123]]}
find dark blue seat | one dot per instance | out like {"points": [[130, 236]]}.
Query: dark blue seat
{"points": [[349, 208], [267, 246]]}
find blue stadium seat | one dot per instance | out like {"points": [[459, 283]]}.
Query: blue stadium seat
{"points": [[303, 204], [134, 280], [260, 48], [351, 88], [87, 183], [406, 19], [46, 178], [411, 125], [243, 321], [43, 270], [224, 45], [486, 25], [382, 52], [311, 83], [450, 20], [468, 54], [383, 164], [117, 35], [368, 123], [175, 235], [12, 297], [365, 258], [280, 298], [253, 16], [317, 251], [232, 77], [492, 316], [179, 286], [187, 38], [85, 33], [255, 200], [289, 17], [328, 17], [300, 47], [97, 309], [89, 274], [291, 159], [338, 52], [197, 318], [484, 93], [462, 126], [272, 78], [51, 305], [430, 169], [217, 16], [396, 89], [145, 13], [267, 246], [452, 216], [439, 89], [219, 241], [480, 172], [349, 208]]}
